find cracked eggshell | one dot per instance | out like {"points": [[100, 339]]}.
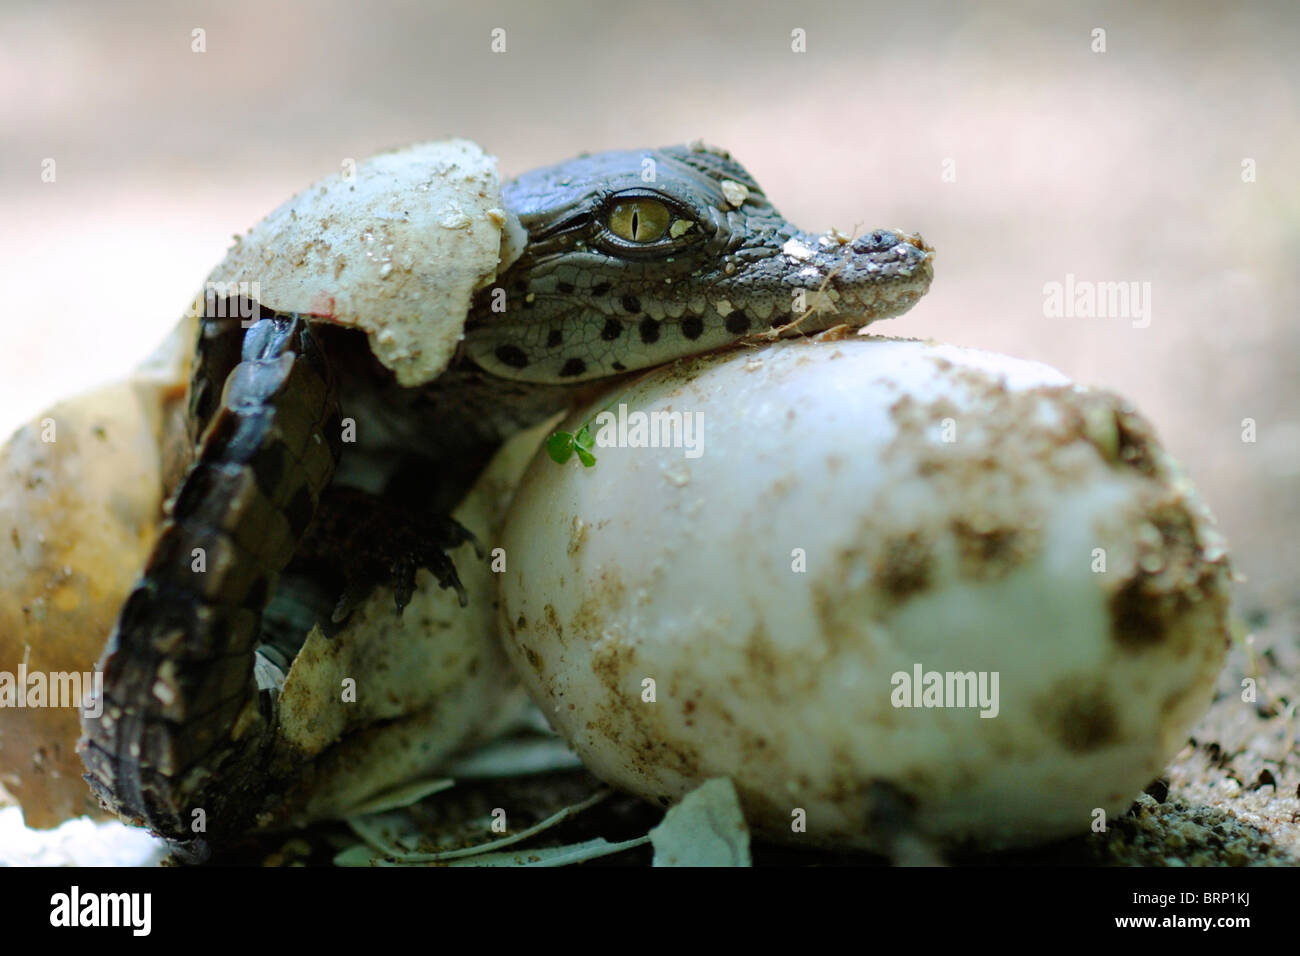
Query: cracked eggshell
{"points": [[79, 516], [428, 684], [395, 246], [81, 489], [863, 508]]}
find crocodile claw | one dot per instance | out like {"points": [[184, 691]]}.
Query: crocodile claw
{"points": [[367, 541]]}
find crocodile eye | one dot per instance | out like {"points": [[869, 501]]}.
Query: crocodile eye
{"points": [[639, 220]]}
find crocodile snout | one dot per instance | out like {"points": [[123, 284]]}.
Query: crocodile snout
{"points": [[876, 275]]}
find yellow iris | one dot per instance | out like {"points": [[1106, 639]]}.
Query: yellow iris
{"points": [[640, 220]]}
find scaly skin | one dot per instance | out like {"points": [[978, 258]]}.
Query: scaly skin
{"points": [[177, 669], [629, 264], [583, 303]]}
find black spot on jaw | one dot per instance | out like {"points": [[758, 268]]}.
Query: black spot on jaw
{"points": [[619, 367], [565, 287], [779, 319], [737, 323], [632, 304], [511, 355], [612, 330], [692, 327], [601, 289], [574, 366], [649, 330], [554, 338]]}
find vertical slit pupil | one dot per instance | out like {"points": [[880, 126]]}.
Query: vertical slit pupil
{"points": [[636, 224]]}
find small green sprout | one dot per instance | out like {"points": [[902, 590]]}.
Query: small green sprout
{"points": [[562, 445]]}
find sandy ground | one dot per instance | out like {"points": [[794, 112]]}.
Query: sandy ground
{"points": [[995, 130]]}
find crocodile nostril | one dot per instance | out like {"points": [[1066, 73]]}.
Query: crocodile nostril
{"points": [[877, 240]]}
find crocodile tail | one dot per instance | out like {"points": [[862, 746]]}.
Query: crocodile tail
{"points": [[180, 709]]}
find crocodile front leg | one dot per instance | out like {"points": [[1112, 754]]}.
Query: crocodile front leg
{"points": [[180, 709]]}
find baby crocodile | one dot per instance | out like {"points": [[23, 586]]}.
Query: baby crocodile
{"points": [[632, 259]]}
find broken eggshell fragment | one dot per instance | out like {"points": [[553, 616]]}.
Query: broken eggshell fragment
{"points": [[81, 489], [81, 512], [395, 246], [389, 698], [861, 519], [382, 702]]}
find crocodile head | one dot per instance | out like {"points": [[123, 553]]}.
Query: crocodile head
{"points": [[635, 258]]}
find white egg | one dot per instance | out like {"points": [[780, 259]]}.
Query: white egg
{"points": [[871, 562]]}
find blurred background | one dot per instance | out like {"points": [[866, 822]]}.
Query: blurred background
{"points": [[999, 131]]}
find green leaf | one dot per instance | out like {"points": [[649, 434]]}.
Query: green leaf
{"points": [[560, 447], [583, 443]]}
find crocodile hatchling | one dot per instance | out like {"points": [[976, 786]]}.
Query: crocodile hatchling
{"points": [[323, 463]]}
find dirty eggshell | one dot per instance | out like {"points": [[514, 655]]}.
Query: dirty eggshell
{"points": [[862, 510], [426, 685], [78, 515], [395, 245]]}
